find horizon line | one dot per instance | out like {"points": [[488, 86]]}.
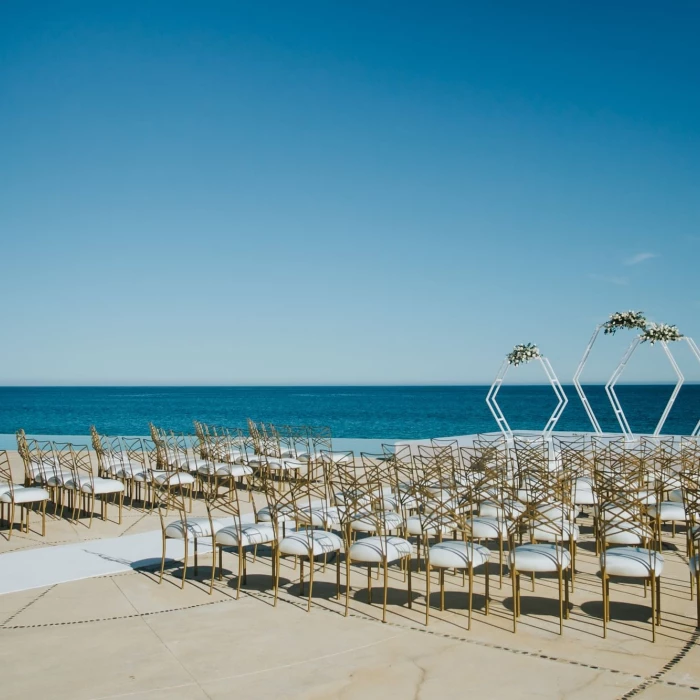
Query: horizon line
{"points": [[319, 386]]}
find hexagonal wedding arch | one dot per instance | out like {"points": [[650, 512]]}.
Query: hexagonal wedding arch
{"points": [[618, 321], [522, 354], [654, 333]]}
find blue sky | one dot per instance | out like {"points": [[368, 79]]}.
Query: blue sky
{"points": [[366, 192]]}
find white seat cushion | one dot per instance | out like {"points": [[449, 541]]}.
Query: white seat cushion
{"points": [[30, 494], [225, 469], [4, 488], [310, 542], [392, 520], [55, 479], [372, 550], [668, 510], [423, 525], [539, 557], [558, 531], [325, 517], [676, 496], [130, 470], [168, 477], [636, 562], [263, 516], [99, 485], [196, 527], [251, 533], [283, 464], [493, 509], [626, 533], [456, 554], [485, 528]]}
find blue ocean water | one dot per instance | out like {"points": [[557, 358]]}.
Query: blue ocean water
{"points": [[396, 412]]}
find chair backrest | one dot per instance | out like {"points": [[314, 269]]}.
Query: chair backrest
{"points": [[6, 473]]}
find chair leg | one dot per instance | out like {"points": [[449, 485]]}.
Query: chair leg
{"points": [[196, 559], [311, 580], [213, 566], [337, 576], [43, 519], [12, 520], [184, 565], [386, 588], [486, 604], [652, 581], [276, 555], [410, 592], [658, 600], [427, 593], [121, 506], [514, 584], [697, 594], [347, 583], [561, 610], [162, 561], [605, 603], [471, 598]]}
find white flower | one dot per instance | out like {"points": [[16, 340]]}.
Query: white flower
{"points": [[624, 319], [661, 332], [523, 353]]}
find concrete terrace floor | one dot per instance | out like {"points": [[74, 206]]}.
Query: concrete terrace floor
{"points": [[125, 636]]}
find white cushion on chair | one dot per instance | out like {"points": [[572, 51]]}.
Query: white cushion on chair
{"points": [[539, 557], [100, 485], [493, 509], [485, 528], [626, 533], [456, 554], [169, 477], [372, 549], [636, 562], [314, 542], [282, 464], [326, 517], [392, 520], [29, 494], [676, 496], [559, 531], [130, 470], [196, 527], [422, 525], [251, 533], [668, 510]]}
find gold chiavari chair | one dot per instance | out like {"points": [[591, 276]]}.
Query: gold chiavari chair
{"points": [[84, 485], [23, 450], [626, 538], [449, 510], [666, 466], [159, 458], [690, 488], [237, 536], [364, 510], [184, 528], [485, 474], [547, 521], [297, 507], [223, 465], [25, 497], [46, 469]]}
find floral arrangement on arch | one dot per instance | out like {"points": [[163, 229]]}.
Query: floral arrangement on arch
{"points": [[522, 354], [625, 320], [660, 333]]}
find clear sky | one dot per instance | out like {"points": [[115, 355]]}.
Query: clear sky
{"points": [[359, 192]]}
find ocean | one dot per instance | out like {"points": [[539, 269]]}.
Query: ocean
{"points": [[376, 412]]}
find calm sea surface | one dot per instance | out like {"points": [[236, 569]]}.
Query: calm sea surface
{"points": [[351, 412]]}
